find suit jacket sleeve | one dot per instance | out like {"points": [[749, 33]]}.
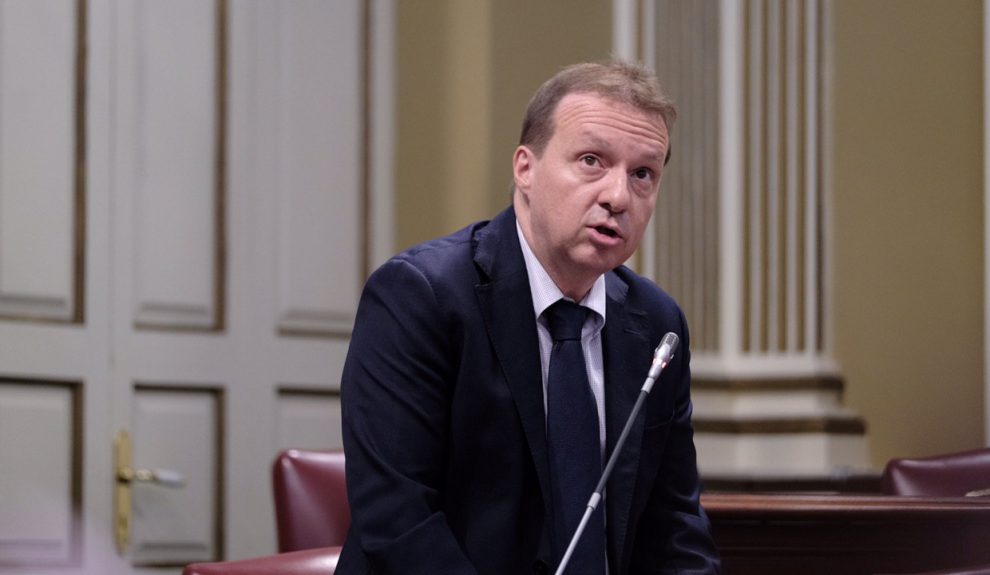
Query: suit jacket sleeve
{"points": [[675, 536], [395, 390]]}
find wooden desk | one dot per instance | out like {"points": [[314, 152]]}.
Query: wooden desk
{"points": [[829, 534]]}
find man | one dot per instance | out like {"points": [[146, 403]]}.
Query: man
{"points": [[458, 458]]}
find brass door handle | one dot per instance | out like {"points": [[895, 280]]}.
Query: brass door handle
{"points": [[125, 476], [163, 477]]}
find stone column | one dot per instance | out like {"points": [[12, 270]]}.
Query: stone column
{"points": [[741, 236]]}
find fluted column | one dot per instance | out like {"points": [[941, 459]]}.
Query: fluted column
{"points": [[741, 232]]}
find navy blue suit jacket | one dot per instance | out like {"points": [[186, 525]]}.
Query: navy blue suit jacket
{"points": [[444, 430]]}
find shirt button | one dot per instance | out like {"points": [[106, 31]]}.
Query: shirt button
{"points": [[540, 568]]}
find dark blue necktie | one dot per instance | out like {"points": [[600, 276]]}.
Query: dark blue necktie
{"points": [[572, 437]]}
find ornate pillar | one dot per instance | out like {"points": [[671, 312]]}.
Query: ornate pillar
{"points": [[740, 236]]}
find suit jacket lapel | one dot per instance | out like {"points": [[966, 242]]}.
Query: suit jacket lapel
{"points": [[507, 307], [624, 340]]}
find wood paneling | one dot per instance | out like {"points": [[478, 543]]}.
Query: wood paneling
{"points": [[817, 534]]}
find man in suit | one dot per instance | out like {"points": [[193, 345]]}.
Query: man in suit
{"points": [[458, 458]]}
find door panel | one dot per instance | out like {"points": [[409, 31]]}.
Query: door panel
{"points": [[314, 190], [38, 160], [177, 430], [309, 419], [171, 58], [40, 486]]}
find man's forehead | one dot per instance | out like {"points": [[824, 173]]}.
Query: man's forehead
{"points": [[591, 107], [584, 116], [579, 99]]}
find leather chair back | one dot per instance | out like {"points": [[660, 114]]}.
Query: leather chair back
{"points": [[311, 508], [950, 475]]}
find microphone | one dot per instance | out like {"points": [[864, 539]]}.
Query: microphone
{"points": [[661, 357]]}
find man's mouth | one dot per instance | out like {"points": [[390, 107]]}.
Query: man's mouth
{"points": [[606, 231]]}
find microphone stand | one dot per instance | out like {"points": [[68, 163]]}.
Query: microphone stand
{"points": [[661, 357]]}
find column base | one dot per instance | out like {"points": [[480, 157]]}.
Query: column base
{"points": [[776, 432]]}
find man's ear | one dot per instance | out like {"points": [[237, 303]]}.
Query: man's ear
{"points": [[522, 168]]}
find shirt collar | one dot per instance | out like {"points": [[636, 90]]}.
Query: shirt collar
{"points": [[545, 291]]}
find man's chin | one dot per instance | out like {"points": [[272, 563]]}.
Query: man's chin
{"points": [[597, 264]]}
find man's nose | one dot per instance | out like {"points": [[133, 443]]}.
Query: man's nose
{"points": [[615, 196]]}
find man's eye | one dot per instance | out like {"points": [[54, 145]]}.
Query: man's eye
{"points": [[589, 160], [642, 174]]}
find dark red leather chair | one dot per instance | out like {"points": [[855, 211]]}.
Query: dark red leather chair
{"points": [[321, 561], [312, 518], [951, 475], [311, 508]]}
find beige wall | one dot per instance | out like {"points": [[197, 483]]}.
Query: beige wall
{"points": [[908, 227], [466, 70]]}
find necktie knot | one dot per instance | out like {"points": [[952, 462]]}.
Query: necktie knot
{"points": [[565, 320]]}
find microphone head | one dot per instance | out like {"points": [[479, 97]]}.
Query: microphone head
{"points": [[671, 341], [664, 353]]}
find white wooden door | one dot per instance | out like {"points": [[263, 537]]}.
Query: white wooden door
{"points": [[187, 197], [55, 472]]}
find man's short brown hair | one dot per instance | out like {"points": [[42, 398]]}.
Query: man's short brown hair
{"points": [[617, 80]]}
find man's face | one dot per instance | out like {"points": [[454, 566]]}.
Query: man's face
{"points": [[585, 203]]}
